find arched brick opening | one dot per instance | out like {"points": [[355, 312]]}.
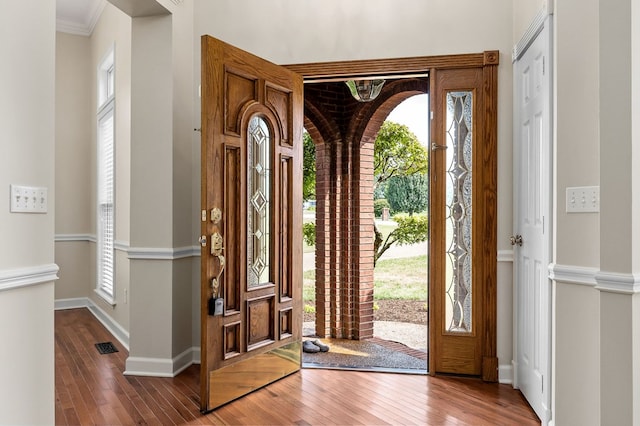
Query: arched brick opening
{"points": [[344, 131]]}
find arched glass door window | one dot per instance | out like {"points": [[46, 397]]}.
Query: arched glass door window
{"points": [[259, 203]]}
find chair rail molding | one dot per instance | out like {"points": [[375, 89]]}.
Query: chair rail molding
{"points": [[64, 238], [23, 277], [163, 253], [614, 282], [505, 255], [571, 274]]}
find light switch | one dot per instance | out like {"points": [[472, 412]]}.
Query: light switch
{"points": [[583, 199], [28, 199]]}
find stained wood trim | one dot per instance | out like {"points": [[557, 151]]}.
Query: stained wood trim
{"points": [[397, 66], [490, 201]]}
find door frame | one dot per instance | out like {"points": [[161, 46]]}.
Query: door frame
{"points": [[488, 61]]}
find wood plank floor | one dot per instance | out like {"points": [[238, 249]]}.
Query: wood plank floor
{"points": [[91, 390]]}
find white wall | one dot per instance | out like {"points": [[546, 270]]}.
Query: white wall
{"points": [[27, 46]]}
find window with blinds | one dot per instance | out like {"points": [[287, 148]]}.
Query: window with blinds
{"points": [[106, 179]]}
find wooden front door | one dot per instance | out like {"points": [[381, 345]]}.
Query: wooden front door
{"points": [[462, 224], [251, 265]]}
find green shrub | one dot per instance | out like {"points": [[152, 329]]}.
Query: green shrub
{"points": [[378, 205], [309, 233], [408, 194]]}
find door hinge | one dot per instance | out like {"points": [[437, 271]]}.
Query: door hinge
{"points": [[543, 65], [541, 384]]}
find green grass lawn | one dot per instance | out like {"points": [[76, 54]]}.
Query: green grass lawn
{"points": [[404, 278], [385, 229]]}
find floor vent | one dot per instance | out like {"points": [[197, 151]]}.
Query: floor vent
{"points": [[106, 348]]}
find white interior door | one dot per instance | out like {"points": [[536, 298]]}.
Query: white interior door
{"points": [[532, 197]]}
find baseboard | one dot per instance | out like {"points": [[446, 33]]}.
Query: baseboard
{"points": [[74, 303], [114, 328], [161, 367], [505, 374], [136, 366], [150, 367], [196, 354], [105, 319]]}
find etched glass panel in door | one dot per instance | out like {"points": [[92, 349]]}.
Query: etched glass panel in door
{"points": [[458, 282], [259, 202]]}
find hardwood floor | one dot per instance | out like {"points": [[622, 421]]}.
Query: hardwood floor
{"points": [[91, 390]]}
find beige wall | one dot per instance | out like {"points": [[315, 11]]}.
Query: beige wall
{"points": [[74, 135], [77, 59], [577, 141], [577, 362], [577, 238], [27, 108]]}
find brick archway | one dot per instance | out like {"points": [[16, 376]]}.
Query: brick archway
{"points": [[344, 132]]}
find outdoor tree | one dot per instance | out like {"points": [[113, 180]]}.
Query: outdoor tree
{"points": [[308, 167], [408, 194], [397, 152], [410, 230]]}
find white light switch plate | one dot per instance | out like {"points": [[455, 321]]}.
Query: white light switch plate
{"points": [[28, 199], [583, 199]]}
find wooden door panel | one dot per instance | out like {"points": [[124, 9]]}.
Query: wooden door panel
{"points": [[239, 91], [233, 211], [251, 179]]}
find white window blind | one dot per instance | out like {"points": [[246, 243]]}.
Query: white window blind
{"points": [[105, 201]]}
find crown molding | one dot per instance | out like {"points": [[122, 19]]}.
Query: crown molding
{"points": [[87, 24]]}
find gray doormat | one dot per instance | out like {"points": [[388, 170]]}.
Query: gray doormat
{"points": [[363, 355]]}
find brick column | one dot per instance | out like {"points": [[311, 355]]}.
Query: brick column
{"points": [[362, 241]]}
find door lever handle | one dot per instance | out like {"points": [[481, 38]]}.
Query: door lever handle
{"points": [[435, 147]]}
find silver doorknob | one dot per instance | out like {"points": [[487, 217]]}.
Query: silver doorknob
{"points": [[516, 239]]}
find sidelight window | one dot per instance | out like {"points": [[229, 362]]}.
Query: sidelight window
{"points": [[106, 179]]}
